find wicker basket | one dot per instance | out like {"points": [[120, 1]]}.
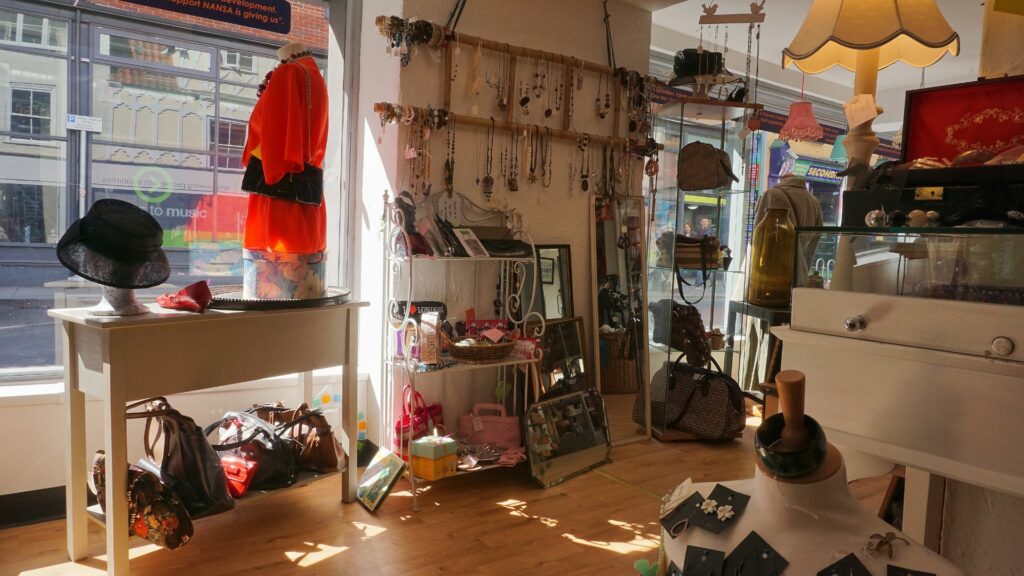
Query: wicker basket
{"points": [[618, 376], [479, 353]]}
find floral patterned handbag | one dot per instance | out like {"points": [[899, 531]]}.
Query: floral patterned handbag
{"points": [[154, 511]]}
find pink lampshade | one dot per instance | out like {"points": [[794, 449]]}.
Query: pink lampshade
{"points": [[801, 124]]}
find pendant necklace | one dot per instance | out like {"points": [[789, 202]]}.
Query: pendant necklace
{"points": [[572, 170], [513, 171], [559, 91], [449, 163], [533, 152], [479, 157], [488, 179], [524, 98], [602, 109], [545, 159]]}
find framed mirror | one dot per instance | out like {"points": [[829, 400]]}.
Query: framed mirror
{"points": [[565, 355], [554, 295]]}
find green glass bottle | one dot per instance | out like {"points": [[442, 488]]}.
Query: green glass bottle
{"points": [[771, 260]]}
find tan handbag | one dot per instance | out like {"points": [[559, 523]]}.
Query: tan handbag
{"points": [[320, 449]]}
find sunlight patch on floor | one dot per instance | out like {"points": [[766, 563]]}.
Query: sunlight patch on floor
{"points": [[369, 530], [641, 541], [518, 508], [311, 557]]}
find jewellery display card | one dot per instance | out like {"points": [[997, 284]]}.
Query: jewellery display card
{"points": [[676, 521], [722, 518], [674, 570], [703, 562], [754, 557], [898, 571], [848, 565]]}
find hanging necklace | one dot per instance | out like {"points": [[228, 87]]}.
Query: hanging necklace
{"points": [[488, 179], [572, 169], [449, 163], [584, 148], [534, 144], [479, 157], [524, 98], [545, 159], [602, 109], [513, 171], [559, 91]]}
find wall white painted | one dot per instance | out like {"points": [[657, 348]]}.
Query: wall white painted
{"points": [[981, 528], [553, 216]]}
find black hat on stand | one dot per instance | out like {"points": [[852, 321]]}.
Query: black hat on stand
{"points": [[116, 244]]}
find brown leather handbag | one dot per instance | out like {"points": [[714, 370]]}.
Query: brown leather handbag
{"points": [[320, 449], [701, 166]]}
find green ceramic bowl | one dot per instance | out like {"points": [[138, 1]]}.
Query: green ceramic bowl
{"points": [[789, 464]]}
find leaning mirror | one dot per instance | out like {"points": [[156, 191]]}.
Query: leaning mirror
{"points": [[554, 265]]}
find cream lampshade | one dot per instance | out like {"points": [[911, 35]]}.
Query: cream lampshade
{"points": [[865, 36]]}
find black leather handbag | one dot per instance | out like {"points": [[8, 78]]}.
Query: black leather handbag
{"points": [[253, 439], [187, 463], [704, 402]]}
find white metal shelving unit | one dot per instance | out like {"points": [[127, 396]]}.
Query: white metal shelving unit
{"points": [[515, 297]]}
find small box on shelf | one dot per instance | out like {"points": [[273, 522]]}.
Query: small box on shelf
{"points": [[433, 457]]}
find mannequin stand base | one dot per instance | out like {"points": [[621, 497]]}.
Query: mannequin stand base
{"points": [[118, 302]]}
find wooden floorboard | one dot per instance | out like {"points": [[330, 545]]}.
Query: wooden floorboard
{"points": [[495, 522]]}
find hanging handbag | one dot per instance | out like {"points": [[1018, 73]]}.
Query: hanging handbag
{"points": [[155, 512], [319, 449], [478, 428], [681, 327], [701, 166], [253, 439], [420, 422], [306, 187], [697, 253], [187, 463], [703, 402]]}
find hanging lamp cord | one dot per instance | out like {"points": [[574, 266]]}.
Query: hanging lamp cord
{"points": [[453, 18], [609, 45]]}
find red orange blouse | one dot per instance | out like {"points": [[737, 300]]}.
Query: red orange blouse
{"points": [[285, 136]]}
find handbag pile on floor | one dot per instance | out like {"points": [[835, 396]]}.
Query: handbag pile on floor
{"points": [[260, 448]]}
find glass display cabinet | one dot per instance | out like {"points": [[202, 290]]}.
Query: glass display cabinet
{"points": [[965, 264], [673, 214]]}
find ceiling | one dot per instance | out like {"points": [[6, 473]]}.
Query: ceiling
{"points": [[783, 20]]}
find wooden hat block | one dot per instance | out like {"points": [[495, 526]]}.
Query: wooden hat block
{"points": [[791, 386]]}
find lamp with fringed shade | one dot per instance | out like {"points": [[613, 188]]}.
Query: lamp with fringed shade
{"points": [[865, 36], [801, 125]]}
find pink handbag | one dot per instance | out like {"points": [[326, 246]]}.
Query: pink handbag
{"points": [[421, 422], [502, 430]]}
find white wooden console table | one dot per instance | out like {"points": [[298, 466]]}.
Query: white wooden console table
{"points": [[119, 360]]}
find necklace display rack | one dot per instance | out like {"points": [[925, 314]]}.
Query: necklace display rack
{"points": [[408, 33]]}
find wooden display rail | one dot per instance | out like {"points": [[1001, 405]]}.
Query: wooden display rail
{"points": [[503, 125]]}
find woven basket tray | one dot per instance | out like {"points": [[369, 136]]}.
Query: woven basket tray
{"points": [[480, 353]]}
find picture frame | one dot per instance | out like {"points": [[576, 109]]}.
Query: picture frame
{"points": [[471, 243], [379, 478], [547, 270]]}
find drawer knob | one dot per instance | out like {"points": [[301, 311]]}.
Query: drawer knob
{"points": [[855, 323], [1002, 346]]}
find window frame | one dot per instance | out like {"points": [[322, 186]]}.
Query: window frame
{"points": [[42, 139], [44, 43]]}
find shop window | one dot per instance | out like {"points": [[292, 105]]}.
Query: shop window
{"points": [[141, 52], [239, 61], [33, 31], [31, 111], [228, 139]]}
